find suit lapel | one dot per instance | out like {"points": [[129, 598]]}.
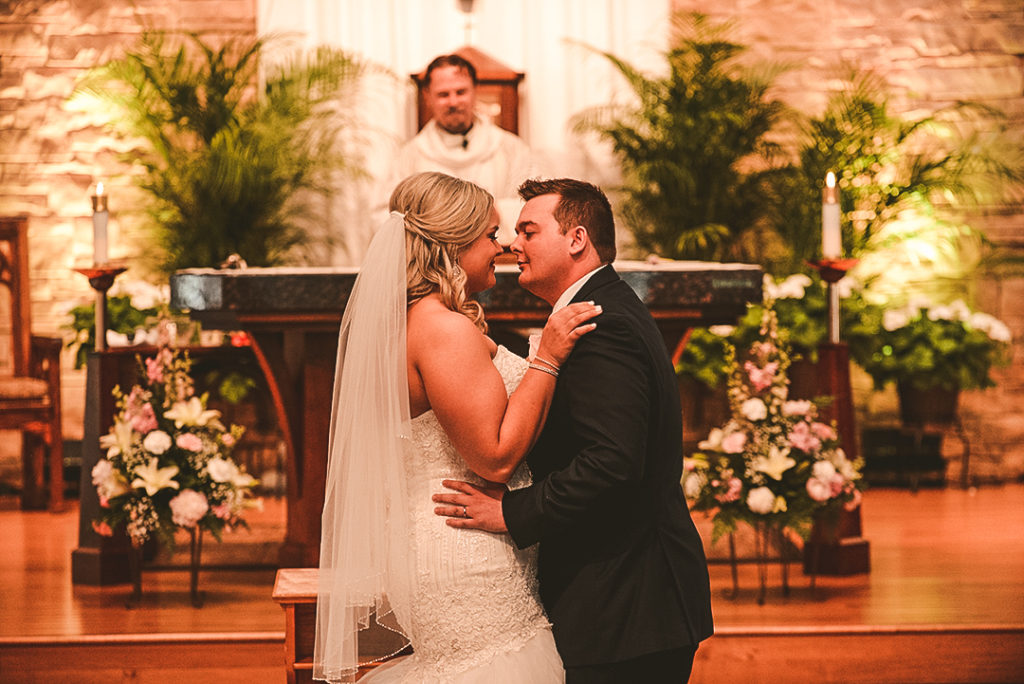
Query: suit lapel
{"points": [[603, 277]]}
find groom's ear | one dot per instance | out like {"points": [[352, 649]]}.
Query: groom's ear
{"points": [[578, 240]]}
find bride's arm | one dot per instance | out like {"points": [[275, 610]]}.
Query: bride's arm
{"points": [[491, 430]]}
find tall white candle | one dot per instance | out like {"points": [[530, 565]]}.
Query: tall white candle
{"points": [[99, 226], [831, 239]]}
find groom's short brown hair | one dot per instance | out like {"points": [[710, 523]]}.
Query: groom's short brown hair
{"points": [[580, 204]]}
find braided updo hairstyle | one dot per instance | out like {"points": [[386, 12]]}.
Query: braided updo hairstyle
{"points": [[443, 215]]}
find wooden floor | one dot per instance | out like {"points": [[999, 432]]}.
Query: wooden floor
{"points": [[944, 602]]}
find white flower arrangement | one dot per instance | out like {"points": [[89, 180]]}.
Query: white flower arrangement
{"points": [[167, 461], [928, 344], [773, 461]]}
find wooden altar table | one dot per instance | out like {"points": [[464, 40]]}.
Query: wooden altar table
{"points": [[293, 316]]}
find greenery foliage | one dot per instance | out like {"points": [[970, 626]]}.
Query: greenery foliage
{"points": [[928, 345], [122, 317], [231, 158], [886, 164], [691, 146], [800, 306]]}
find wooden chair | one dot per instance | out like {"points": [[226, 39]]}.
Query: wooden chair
{"points": [[30, 387]]}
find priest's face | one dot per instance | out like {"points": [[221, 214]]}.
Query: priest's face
{"points": [[451, 98]]}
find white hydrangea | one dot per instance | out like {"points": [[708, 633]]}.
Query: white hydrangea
{"points": [[754, 409], [823, 470], [991, 326], [894, 319], [693, 483], [188, 508], [157, 442], [846, 286], [819, 490], [794, 286], [107, 480], [796, 407], [221, 469], [761, 500]]}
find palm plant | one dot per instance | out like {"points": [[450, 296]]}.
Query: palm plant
{"points": [[231, 159], [693, 147], [886, 165]]}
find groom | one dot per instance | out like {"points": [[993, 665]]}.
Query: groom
{"points": [[621, 567]]}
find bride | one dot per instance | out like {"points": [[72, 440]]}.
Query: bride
{"points": [[422, 395]]}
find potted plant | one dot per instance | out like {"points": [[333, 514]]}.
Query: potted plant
{"points": [[694, 146], [931, 351], [235, 152]]}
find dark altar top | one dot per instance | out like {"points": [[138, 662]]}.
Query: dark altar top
{"points": [[701, 293], [293, 316]]}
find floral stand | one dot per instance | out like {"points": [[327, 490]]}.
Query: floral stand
{"points": [[765, 535], [168, 466], [195, 561], [774, 465]]}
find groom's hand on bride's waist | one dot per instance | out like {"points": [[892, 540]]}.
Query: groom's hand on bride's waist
{"points": [[471, 506]]}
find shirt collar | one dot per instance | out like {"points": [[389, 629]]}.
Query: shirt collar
{"points": [[573, 289]]}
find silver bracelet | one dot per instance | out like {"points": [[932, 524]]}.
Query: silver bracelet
{"points": [[545, 369], [551, 365]]}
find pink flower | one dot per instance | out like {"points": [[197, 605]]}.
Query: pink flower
{"points": [[837, 482], [227, 439], [144, 419], [189, 442], [102, 529], [188, 508], [818, 490], [822, 431], [104, 502], [801, 438], [222, 511], [734, 442], [732, 493], [154, 371], [854, 502], [761, 378]]}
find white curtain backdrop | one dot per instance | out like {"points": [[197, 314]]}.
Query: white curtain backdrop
{"points": [[532, 36]]}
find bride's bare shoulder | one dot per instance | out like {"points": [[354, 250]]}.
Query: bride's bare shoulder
{"points": [[433, 323]]}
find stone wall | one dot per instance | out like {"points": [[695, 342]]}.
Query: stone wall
{"points": [[930, 51], [51, 156]]}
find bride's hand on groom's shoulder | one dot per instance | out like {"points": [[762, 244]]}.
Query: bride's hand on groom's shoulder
{"points": [[563, 328], [471, 506]]}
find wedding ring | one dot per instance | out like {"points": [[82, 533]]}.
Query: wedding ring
{"points": [[465, 513]]}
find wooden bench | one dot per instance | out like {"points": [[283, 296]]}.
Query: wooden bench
{"points": [[295, 591]]}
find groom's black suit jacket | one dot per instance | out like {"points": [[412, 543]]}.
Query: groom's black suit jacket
{"points": [[621, 567]]}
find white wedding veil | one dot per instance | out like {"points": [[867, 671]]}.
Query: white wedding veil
{"points": [[365, 561]]}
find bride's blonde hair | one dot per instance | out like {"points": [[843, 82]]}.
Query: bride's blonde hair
{"points": [[443, 215]]}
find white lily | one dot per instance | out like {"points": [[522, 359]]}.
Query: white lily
{"points": [[118, 440], [714, 440], [191, 412], [154, 478], [777, 462]]}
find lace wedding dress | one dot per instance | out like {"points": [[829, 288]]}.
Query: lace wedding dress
{"points": [[476, 616]]}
